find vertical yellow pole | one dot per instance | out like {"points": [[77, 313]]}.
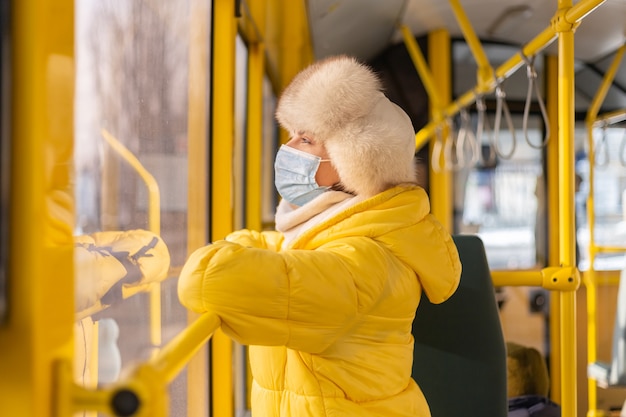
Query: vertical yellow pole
{"points": [[39, 326], [441, 182], [552, 164], [295, 40], [197, 180], [566, 210], [591, 277], [223, 90], [256, 65]]}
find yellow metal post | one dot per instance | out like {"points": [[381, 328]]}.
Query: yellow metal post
{"points": [[441, 182], [256, 65], [223, 91], [591, 278], [40, 289], [565, 30], [552, 164]]}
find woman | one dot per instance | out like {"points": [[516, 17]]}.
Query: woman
{"points": [[326, 301]]}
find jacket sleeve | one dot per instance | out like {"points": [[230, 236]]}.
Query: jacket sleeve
{"points": [[303, 299], [251, 238]]}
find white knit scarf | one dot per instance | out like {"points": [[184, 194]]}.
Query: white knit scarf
{"points": [[292, 221]]}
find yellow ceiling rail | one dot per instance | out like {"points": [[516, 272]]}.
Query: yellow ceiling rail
{"points": [[424, 71], [567, 17], [154, 225], [610, 118], [144, 393], [485, 71]]}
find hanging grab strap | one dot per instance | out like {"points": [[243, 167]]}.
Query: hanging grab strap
{"points": [[532, 82], [435, 161], [448, 162], [466, 134], [481, 127], [602, 146], [502, 107]]}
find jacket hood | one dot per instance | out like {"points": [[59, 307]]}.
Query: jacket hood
{"points": [[340, 102]]}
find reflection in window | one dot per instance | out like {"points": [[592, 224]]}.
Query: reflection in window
{"points": [[130, 182]]}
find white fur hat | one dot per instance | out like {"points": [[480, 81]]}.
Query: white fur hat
{"points": [[369, 139]]}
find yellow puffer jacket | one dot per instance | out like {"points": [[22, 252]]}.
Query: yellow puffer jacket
{"points": [[329, 319]]}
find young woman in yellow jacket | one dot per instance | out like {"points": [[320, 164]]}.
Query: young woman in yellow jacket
{"points": [[326, 301]]}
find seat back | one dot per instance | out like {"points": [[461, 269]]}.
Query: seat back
{"points": [[459, 357]]}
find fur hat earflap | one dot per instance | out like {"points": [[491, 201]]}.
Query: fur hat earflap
{"points": [[369, 139]]}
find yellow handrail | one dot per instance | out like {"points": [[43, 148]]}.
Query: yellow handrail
{"points": [[144, 393], [424, 72], [565, 17], [485, 71], [154, 225], [552, 278]]}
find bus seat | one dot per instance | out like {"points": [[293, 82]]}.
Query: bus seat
{"points": [[614, 374], [460, 355]]}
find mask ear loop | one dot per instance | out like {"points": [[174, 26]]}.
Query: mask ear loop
{"points": [[532, 81], [481, 127], [502, 107]]}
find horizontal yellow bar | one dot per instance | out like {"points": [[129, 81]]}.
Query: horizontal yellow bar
{"points": [[530, 278], [610, 249], [552, 278]]}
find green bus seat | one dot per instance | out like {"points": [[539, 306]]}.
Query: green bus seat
{"points": [[460, 354]]}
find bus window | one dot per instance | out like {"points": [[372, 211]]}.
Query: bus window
{"points": [[131, 165], [502, 199], [609, 195], [502, 202]]}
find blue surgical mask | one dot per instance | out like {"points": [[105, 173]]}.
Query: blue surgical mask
{"points": [[295, 175]]}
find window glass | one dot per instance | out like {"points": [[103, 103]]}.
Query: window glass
{"points": [[239, 151], [131, 141], [609, 195], [239, 167], [502, 200]]}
